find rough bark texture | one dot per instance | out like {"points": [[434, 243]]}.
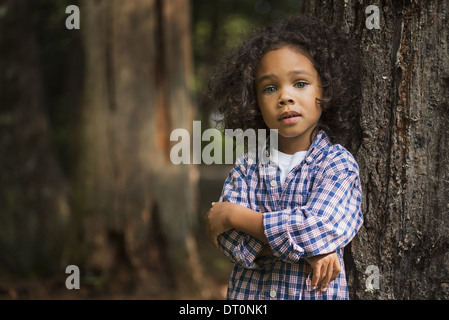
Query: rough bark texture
{"points": [[404, 153], [134, 207]]}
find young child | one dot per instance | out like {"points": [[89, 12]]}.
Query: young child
{"points": [[284, 224]]}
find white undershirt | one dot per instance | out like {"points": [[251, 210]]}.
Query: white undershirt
{"points": [[286, 162]]}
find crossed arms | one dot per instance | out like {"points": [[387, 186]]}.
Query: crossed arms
{"points": [[328, 221]]}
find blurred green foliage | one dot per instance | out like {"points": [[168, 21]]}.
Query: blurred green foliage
{"points": [[222, 24]]}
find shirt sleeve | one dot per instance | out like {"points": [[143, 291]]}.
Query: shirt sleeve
{"points": [[328, 221], [241, 248]]}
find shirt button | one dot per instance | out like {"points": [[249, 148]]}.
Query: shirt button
{"points": [[273, 183], [273, 293], [309, 159]]}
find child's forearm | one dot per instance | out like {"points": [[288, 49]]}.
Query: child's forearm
{"points": [[248, 221], [224, 216]]}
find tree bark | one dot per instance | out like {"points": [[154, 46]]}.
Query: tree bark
{"points": [[34, 209], [405, 147], [134, 207]]}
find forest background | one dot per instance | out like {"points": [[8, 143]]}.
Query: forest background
{"points": [[85, 121]]}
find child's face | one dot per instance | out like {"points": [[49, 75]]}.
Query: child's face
{"points": [[288, 86]]}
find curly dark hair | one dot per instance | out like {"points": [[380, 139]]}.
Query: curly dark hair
{"points": [[335, 56]]}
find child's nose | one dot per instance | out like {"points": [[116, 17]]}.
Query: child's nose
{"points": [[285, 98]]}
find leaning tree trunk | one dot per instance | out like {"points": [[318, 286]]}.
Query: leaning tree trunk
{"points": [[404, 153], [134, 207]]}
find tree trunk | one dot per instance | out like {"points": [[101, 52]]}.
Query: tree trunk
{"points": [[34, 210], [404, 153], [134, 207]]}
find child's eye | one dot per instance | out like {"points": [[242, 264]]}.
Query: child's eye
{"points": [[300, 84], [269, 90]]}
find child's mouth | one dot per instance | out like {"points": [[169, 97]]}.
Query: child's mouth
{"points": [[289, 117]]}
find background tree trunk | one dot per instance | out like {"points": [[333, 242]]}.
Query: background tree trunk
{"points": [[34, 210], [404, 153], [135, 208]]}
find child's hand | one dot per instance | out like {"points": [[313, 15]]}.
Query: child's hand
{"points": [[224, 216], [325, 268], [217, 220]]}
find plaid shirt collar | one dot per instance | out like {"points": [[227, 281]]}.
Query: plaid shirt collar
{"points": [[319, 145]]}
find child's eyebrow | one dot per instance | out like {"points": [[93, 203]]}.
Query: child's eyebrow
{"points": [[271, 75]]}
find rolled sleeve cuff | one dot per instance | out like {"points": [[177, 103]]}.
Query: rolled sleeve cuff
{"points": [[241, 248], [277, 231]]}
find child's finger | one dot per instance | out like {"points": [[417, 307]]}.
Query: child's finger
{"points": [[327, 278], [316, 275], [323, 274], [335, 274], [314, 280], [336, 270]]}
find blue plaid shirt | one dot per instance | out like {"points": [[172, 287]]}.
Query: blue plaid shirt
{"points": [[316, 211]]}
